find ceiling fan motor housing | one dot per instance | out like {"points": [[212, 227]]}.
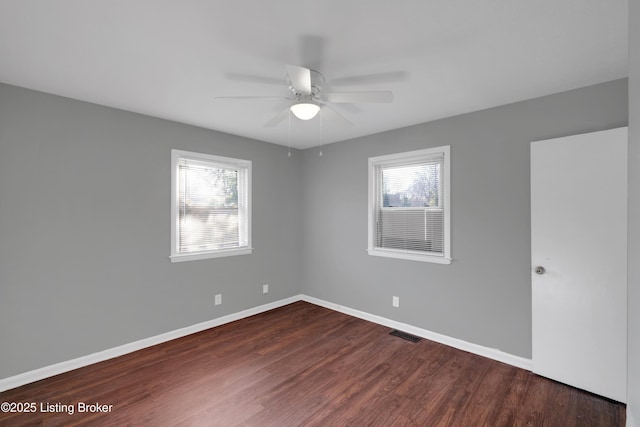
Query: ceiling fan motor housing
{"points": [[317, 80]]}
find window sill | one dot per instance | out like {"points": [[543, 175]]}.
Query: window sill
{"points": [[211, 254], [411, 256]]}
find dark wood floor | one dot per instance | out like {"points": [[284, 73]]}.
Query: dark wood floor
{"points": [[303, 365]]}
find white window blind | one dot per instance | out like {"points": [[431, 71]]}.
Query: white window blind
{"points": [[408, 205], [211, 206]]}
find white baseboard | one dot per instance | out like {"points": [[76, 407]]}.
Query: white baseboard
{"points": [[69, 365], [491, 353]]}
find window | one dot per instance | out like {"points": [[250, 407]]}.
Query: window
{"points": [[210, 206], [409, 205]]}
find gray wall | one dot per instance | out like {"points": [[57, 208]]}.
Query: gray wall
{"points": [[484, 296], [84, 225], [633, 407], [85, 222]]}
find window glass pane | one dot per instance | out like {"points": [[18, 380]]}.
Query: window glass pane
{"points": [[207, 208], [411, 230], [415, 185], [408, 204]]}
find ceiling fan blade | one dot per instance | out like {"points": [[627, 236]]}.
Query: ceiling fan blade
{"points": [[350, 108], [251, 97], [358, 97], [329, 113], [241, 77], [300, 78], [386, 77], [277, 118]]}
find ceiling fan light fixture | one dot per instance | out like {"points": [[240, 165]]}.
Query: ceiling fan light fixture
{"points": [[305, 110]]}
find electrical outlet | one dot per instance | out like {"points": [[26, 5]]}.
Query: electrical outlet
{"points": [[396, 301], [218, 300], [265, 289]]}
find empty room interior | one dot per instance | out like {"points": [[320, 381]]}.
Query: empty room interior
{"points": [[320, 213]]}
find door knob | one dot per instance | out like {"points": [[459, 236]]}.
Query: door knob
{"points": [[539, 270]]}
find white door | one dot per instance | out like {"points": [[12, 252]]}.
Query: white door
{"points": [[579, 241]]}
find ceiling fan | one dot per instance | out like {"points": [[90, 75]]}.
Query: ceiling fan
{"points": [[307, 98]]}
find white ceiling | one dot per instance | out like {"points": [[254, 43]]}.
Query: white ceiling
{"points": [[170, 59]]}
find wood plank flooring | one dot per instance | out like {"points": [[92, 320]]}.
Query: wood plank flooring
{"points": [[304, 365]]}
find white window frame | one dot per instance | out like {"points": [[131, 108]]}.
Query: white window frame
{"points": [[176, 156], [410, 158]]}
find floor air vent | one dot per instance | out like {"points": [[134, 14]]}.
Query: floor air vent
{"points": [[405, 336]]}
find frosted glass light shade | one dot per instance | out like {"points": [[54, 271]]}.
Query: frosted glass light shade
{"points": [[305, 110]]}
